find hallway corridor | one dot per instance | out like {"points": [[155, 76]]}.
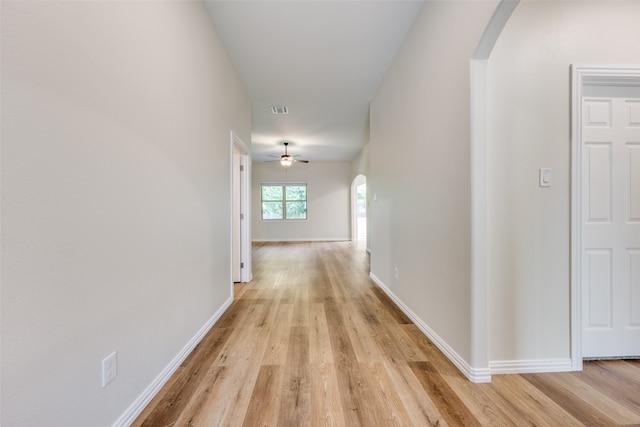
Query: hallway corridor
{"points": [[313, 341]]}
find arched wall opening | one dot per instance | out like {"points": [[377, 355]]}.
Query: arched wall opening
{"points": [[359, 204], [479, 123]]}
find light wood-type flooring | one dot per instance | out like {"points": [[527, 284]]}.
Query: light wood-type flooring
{"points": [[312, 341]]}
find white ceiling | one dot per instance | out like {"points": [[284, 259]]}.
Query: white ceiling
{"points": [[322, 59]]}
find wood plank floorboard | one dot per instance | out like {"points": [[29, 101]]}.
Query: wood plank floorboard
{"points": [[312, 341]]}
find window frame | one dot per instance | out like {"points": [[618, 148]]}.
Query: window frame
{"points": [[284, 200]]}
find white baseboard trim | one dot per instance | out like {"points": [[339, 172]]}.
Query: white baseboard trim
{"points": [[346, 239], [532, 366], [136, 408], [473, 374]]}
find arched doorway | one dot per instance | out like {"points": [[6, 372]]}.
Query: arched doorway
{"points": [[359, 211]]}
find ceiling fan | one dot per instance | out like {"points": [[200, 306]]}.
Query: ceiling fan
{"points": [[286, 159]]}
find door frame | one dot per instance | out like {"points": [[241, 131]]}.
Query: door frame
{"points": [[245, 207], [581, 75]]}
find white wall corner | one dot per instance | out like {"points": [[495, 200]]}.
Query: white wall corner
{"points": [[478, 279], [473, 374], [478, 71], [138, 405]]}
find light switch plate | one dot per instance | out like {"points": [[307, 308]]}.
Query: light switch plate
{"points": [[544, 177]]}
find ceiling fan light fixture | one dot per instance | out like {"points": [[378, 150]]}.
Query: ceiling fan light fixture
{"points": [[286, 160]]}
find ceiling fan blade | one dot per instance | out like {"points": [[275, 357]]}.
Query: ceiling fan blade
{"points": [[301, 161]]}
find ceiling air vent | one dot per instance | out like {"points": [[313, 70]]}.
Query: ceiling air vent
{"points": [[279, 109]]}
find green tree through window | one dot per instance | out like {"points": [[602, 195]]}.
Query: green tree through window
{"points": [[280, 201]]}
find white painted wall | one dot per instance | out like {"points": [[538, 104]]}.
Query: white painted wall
{"points": [[529, 128], [115, 199], [420, 169], [328, 201], [360, 165]]}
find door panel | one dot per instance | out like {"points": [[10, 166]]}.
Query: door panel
{"points": [[634, 286], [634, 182], [611, 227], [598, 185], [598, 263]]}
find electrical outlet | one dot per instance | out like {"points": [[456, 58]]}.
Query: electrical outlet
{"points": [[109, 369], [395, 272]]}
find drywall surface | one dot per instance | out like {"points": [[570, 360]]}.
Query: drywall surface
{"points": [[419, 182], [328, 201], [360, 165], [116, 119], [529, 128]]}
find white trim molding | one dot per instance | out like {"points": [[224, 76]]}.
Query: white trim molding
{"points": [[138, 405], [320, 239], [530, 366], [473, 374]]}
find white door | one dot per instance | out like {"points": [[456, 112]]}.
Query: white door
{"points": [[610, 248]]}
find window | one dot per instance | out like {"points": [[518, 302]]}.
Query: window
{"points": [[284, 201]]}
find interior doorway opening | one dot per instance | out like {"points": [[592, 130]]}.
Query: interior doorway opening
{"points": [[240, 211], [605, 223], [359, 211]]}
